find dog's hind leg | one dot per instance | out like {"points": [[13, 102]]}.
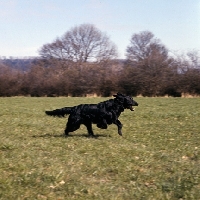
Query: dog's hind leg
{"points": [[89, 128], [72, 125], [71, 128]]}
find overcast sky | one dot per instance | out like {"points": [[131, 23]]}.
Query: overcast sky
{"points": [[25, 25]]}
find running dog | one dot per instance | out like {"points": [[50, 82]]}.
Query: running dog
{"points": [[101, 114]]}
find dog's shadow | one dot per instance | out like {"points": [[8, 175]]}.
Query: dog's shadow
{"points": [[70, 136]]}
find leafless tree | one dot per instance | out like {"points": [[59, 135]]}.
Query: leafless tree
{"points": [[84, 43], [194, 59], [148, 61], [145, 46], [189, 72]]}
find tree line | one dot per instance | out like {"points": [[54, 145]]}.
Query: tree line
{"points": [[84, 61]]}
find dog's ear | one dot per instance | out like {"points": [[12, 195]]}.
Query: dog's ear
{"points": [[119, 98], [118, 94]]}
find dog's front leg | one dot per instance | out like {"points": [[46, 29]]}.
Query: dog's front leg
{"points": [[119, 126]]}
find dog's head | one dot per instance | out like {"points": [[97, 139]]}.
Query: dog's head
{"points": [[127, 101]]}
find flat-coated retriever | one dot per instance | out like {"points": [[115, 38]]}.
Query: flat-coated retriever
{"points": [[102, 114]]}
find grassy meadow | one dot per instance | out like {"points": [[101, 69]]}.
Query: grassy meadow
{"points": [[158, 156]]}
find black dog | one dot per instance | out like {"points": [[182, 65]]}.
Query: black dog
{"points": [[102, 114]]}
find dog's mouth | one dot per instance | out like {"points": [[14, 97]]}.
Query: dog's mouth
{"points": [[131, 108]]}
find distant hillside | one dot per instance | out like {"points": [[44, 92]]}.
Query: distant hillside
{"points": [[22, 64]]}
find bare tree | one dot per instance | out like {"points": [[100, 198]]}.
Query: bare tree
{"points": [[84, 43], [194, 59], [148, 61], [189, 72], [145, 46]]}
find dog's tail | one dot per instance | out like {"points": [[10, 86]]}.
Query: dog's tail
{"points": [[60, 112]]}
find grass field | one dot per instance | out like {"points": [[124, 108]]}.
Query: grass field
{"points": [[158, 156]]}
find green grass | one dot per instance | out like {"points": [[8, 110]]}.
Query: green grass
{"points": [[158, 156]]}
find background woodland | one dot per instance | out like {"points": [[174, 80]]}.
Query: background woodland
{"points": [[84, 61]]}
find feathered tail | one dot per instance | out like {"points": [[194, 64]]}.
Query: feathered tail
{"points": [[60, 112]]}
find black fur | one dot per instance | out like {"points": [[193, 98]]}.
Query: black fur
{"points": [[102, 114]]}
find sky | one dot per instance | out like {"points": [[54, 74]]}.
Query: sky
{"points": [[26, 25]]}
